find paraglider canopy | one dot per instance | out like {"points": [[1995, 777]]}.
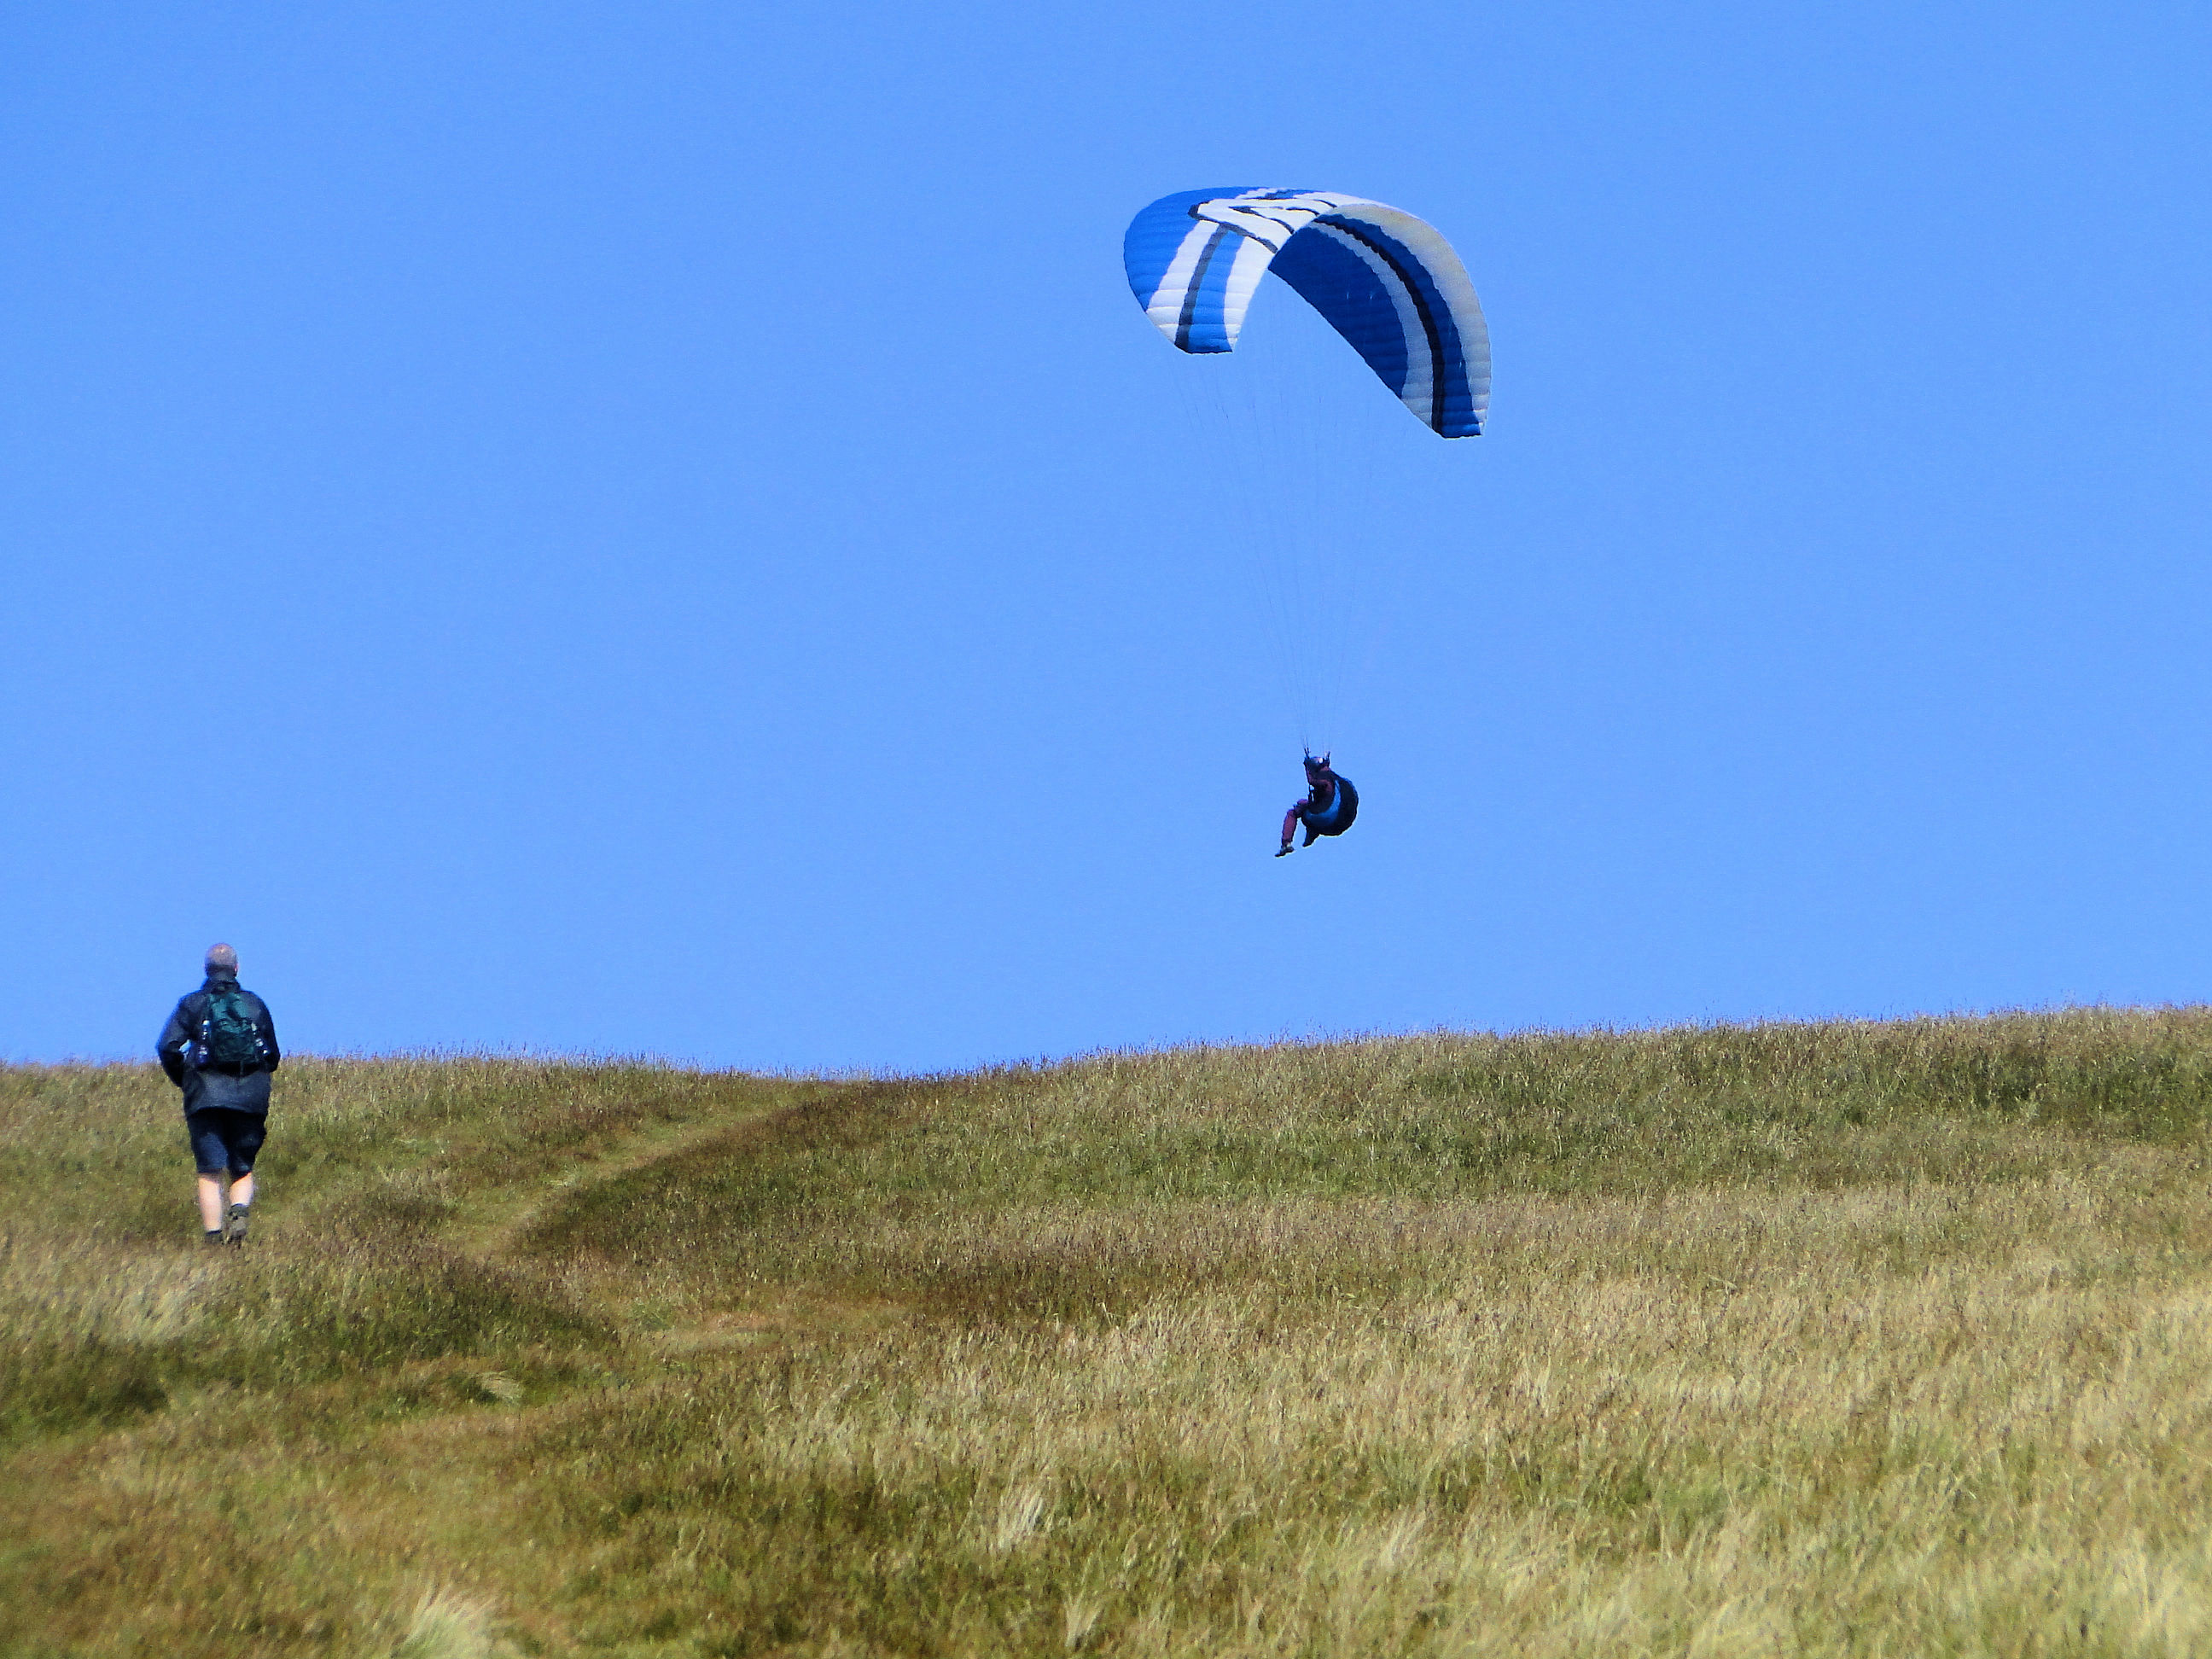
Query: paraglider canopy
{"points": [[1383, 279]]}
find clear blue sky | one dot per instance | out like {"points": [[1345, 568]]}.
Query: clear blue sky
{"points": [[660, 529]]}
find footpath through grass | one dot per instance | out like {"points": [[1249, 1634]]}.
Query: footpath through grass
{"points": [[1825, 1340]]}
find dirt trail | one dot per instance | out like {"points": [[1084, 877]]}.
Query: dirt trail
{"points": [[501, 1220], [498, 1219]]}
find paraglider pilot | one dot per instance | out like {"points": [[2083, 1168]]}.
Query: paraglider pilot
{"points": [[1330, 804]]}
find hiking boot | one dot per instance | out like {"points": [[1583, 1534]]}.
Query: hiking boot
{"points": [[236, 1232], [213, 1237]]}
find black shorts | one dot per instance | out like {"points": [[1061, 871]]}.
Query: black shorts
{"points": [[224, 1140]]}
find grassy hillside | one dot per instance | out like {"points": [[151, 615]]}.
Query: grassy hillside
{"points": [[1822, 1340]]}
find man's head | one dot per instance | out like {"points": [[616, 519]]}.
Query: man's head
{"points": [[1316, 768], [221, 961]]}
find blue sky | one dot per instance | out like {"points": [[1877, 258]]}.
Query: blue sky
{"points": [[661, 529]]}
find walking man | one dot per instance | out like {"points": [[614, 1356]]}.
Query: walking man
{"points": [[220, 1047]]}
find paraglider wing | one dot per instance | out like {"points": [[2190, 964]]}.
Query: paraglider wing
{"points": [[1383, 279]]}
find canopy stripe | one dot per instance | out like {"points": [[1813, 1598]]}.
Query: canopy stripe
{"points": [[1383, 279]]}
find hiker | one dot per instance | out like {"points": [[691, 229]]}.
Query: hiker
{"points": [[220, 1047]]}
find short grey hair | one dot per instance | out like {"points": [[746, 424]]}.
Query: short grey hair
{"points": [[221, 958]]}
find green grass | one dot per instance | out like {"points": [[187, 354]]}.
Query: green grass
{"points": [[1814, 1339]]}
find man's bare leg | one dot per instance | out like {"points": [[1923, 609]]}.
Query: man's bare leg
{"points": [[241, 1199], [211, 1202]]}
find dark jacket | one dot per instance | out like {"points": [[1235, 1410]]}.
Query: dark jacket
{"points": [[247, 1091], [1328, 809]]}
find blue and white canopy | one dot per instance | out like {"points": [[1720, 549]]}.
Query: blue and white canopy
{"points": [[1385, 280]]}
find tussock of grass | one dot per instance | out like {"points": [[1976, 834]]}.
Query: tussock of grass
{"points": [[1829, 1338], [450, 1625]]}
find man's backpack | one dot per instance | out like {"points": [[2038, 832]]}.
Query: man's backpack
{"points": [[230, 1041]]}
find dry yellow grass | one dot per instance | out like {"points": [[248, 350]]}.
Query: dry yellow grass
{"points": [[1827, 1339]]}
